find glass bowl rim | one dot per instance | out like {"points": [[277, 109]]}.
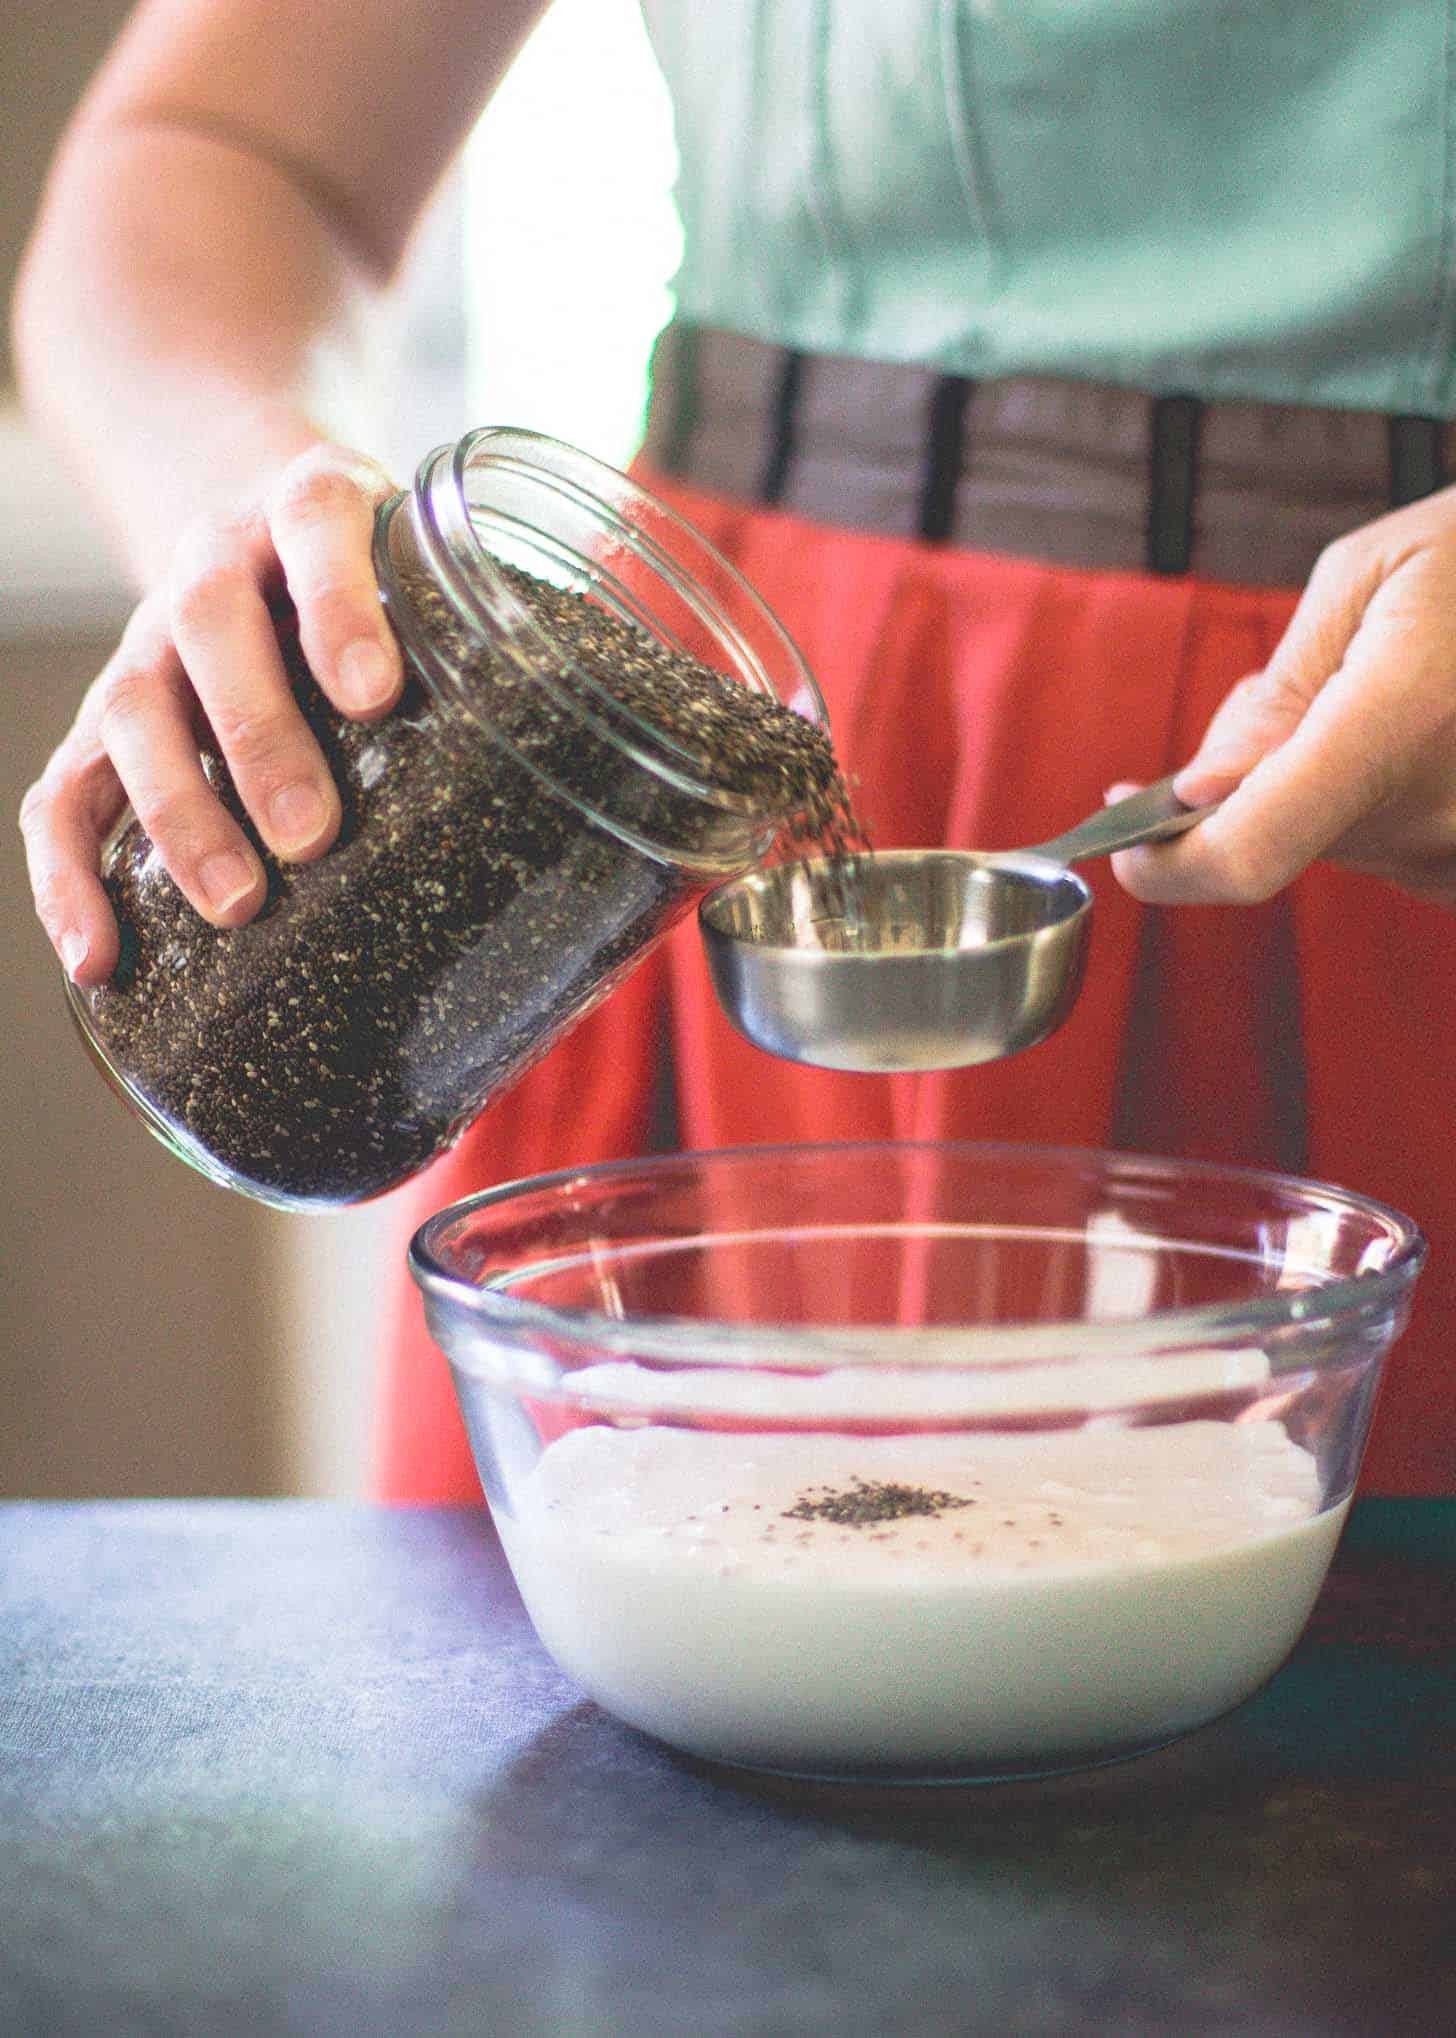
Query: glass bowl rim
{"points": [[701, 1342]]}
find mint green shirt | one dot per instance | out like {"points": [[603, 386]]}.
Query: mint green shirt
{"points": [[1228, 197]]}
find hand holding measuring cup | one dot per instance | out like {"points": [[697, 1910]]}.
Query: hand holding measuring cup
{"points": [[1343, 748], [918, 959]]}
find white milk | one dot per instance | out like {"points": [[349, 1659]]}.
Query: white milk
{"points": [[1104, 1589]]}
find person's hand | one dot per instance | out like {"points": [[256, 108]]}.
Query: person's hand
{"points": [[1344, 746], [200, 654]]}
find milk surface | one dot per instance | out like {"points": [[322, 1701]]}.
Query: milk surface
{"points": [[1093, 1591]]}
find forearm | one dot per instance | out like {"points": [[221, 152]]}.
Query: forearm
{"points": [[189, 318], [238, 186]]}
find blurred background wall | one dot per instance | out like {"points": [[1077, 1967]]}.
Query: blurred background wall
{"points": [[158, 1335]]}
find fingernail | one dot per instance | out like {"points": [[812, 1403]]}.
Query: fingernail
{"points": [[366, 677], [298, 816], [74, 950], [225, 878]]}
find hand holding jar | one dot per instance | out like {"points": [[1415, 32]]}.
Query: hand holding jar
{"points": [[593, 726], [201, 652]]}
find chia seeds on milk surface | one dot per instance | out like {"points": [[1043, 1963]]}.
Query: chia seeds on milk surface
{"points": [[466, 915]]}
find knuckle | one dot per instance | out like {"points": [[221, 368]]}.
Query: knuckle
{"points": [[35, 806], [1279, 689], [123, 692], [1274, 700], [147, 629], [1335, 559], [1248, 687], [207, 591], [170, 817], [1237, 706], [255, 738], [311, 492]]}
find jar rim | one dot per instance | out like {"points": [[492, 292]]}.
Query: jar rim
{"points": [[473, 577]]}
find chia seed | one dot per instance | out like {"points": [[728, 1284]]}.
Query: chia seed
{"points": [[865, 1501], [467, 915]]}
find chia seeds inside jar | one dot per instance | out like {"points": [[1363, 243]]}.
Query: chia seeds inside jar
{"points": [[600, 721]]}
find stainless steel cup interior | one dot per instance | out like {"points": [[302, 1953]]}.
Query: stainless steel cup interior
{"points": [[945, 959], [918, 959]]}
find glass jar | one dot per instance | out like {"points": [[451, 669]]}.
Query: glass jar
{"points": [[516, 836]]}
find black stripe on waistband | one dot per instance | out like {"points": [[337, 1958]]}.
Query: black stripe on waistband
{"points": [[782, 427], [671, 423], [1417, 458], [1172, 482], [945, 427]]}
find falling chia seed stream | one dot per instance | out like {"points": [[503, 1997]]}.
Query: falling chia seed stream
{"points": [[317, 1054]]}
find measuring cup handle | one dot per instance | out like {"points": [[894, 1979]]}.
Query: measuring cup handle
{"points": [[1151, 815]]}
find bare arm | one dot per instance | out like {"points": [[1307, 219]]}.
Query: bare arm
{"points": [[239, 183], [241, 178]]}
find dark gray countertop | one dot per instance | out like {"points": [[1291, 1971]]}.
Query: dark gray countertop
{"points": [[275, 1767]]}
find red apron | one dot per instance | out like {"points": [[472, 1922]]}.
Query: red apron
{"points": [[985, 701]]}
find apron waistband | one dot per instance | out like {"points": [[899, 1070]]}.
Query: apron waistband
{"points": [[1074, 473]]}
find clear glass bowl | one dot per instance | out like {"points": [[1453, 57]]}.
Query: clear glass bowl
{"points": [[911, 1461]]}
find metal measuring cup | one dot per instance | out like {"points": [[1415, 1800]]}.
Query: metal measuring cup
{"points": [[915, 959]]}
